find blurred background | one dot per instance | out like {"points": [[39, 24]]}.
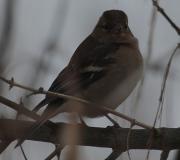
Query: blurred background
{"points": [[38, 37]]}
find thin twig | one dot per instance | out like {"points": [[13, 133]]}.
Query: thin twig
{"points": [[163, 87], [21, 147], [19, 108], [160, 108], [24, 155], [161, 98], [161, 10], [104, 109]]}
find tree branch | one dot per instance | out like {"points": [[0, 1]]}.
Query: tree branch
{"points": [[167, 139], [19, 108]]}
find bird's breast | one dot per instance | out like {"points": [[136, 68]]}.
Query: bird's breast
{"points": [[110, 92], [116, 85]]}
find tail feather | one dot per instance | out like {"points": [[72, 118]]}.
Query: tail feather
{"points": [[31, 131], [35, 126]]}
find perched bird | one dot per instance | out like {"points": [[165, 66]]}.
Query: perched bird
{"points": [[104, 69]]}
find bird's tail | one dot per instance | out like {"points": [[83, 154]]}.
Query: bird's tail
{"points": [[44, 118], [31, 131]]}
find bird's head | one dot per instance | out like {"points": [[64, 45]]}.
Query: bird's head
{"points": [[112, 24]]}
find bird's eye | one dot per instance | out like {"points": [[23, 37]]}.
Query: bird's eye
{"points": [[106, 26]]}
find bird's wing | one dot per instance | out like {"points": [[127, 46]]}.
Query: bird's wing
{"points": [[91, 57], [88, 64]]}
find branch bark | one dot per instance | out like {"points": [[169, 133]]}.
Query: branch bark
{"points": [[166, 139]]}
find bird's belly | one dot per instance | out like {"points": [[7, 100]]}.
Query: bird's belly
{"points": [[111, 93]]}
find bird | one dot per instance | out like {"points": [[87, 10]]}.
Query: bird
{"points": [[104, 69]]}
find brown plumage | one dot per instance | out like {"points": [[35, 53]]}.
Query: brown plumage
{"points": [[104, 69]]}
